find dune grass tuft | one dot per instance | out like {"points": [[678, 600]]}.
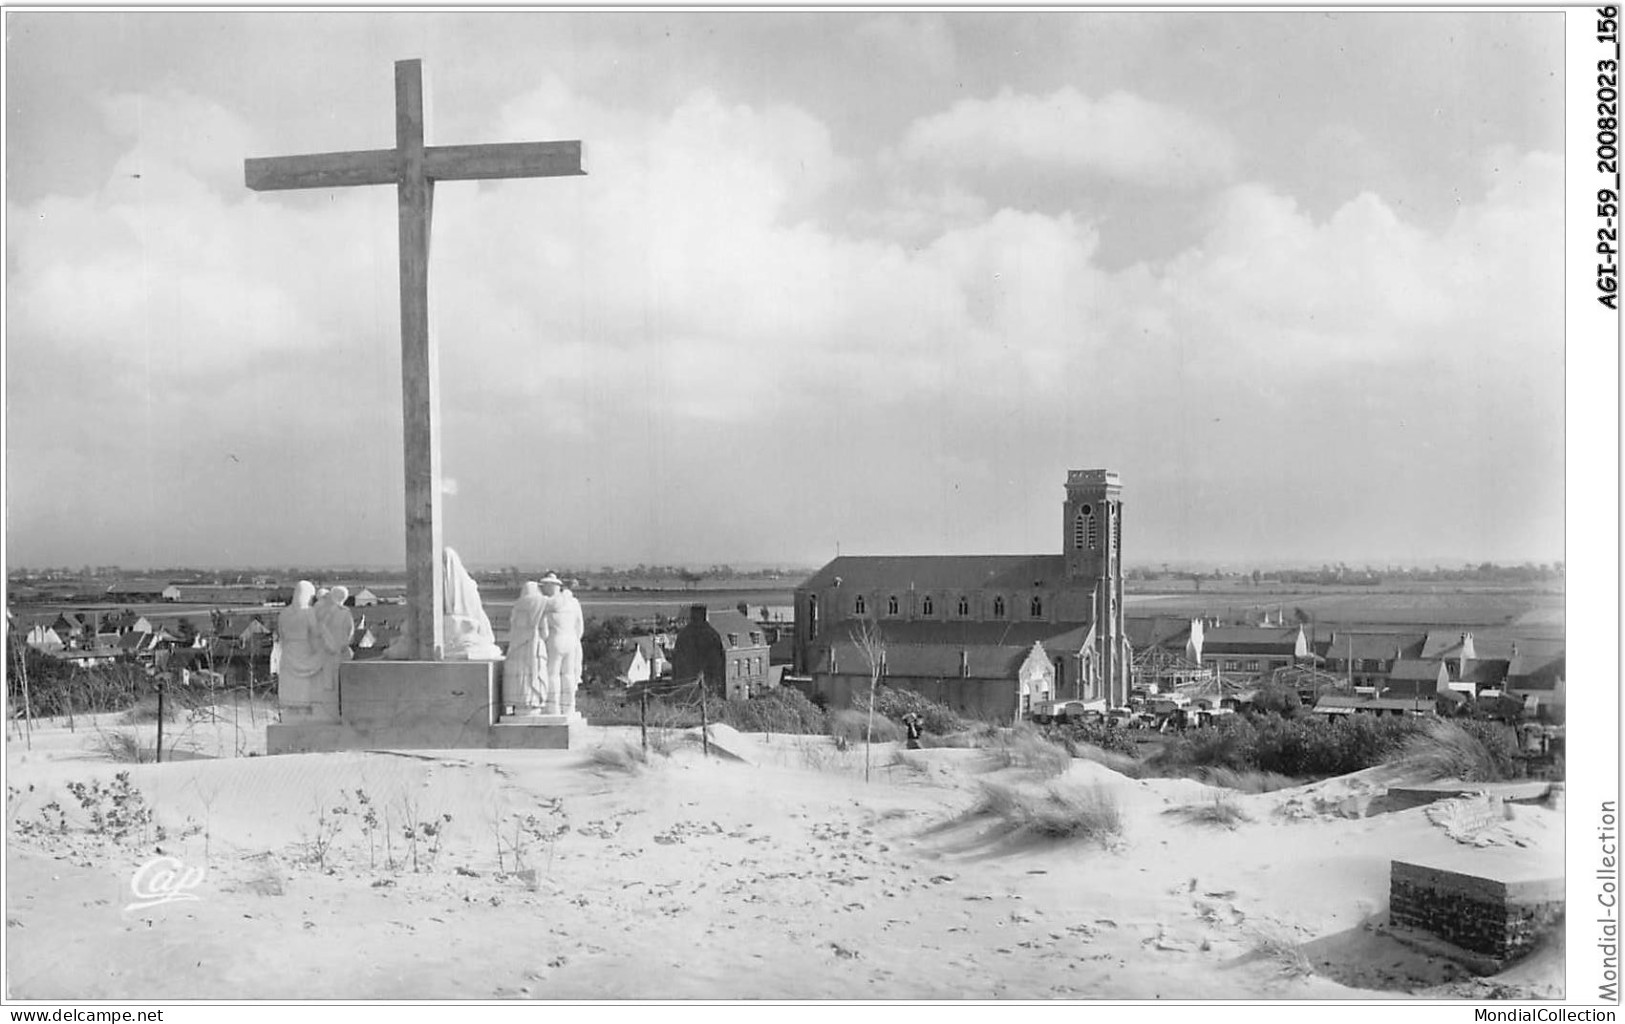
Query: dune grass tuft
{"points": [[1025, 747], [1287, 954], [1245, 780], [121, 746], [1220, 811], [1055, 813], [619, 757], [1446, 750]]}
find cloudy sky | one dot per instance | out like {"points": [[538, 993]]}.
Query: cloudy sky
{"points": [[874, 280]]}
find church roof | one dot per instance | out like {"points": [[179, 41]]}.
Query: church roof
{"points": [[940, 572], [1057, 637], [920, 661]]}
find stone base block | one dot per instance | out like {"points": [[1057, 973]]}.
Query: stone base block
{"points": [[1496, 919], [420, 705], [327, 738]]}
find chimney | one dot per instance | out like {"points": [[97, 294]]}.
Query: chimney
{"points": [[697, 613]]}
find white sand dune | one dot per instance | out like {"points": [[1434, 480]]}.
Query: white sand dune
{"points": [[769, 871]]}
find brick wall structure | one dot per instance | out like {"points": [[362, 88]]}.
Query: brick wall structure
{"points": [[1501, 919]]}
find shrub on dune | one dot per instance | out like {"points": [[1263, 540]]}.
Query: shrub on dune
{"points": [[851, 726], [1470, 751], [936, 719]]}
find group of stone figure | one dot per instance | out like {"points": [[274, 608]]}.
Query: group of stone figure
{"points": [[543, 668], [313, 640], [540, 673]]}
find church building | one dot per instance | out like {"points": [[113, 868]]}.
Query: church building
{"points": [[987, 635]]}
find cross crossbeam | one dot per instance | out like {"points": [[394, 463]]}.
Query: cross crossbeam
{"points": [[440, 163], [414, 168]]}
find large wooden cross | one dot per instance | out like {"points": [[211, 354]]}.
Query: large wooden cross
{"points": [[414, 168]]}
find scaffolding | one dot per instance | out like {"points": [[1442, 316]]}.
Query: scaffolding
{"points": [[1159, 670], [1309, 682]]}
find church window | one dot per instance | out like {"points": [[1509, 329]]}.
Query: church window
{"points": [[1037, 607], [1078, 531], [812, 615], [926, 606], [1091, 533], [857, 605], [964, 607], [998, 607], [1117, 526], [891, 605]]}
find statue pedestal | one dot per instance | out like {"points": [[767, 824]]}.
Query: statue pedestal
{"points": [[536, 729], [422, 705], [538, 716]]}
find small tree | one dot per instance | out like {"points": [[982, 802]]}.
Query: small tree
{"points": [[872, 642]]}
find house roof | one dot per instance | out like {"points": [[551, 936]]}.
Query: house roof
{"points": [[726, 622], [1444, 643], [623, 661], [1251, 640], [940, 572], [1485, 671], [139, 586], [1535, 657], [1331, 701], [1169, 631], [1374, 646], [88, 654], [1415, 669]]}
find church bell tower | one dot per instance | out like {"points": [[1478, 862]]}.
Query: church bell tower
{"points": [[1092, 533]]}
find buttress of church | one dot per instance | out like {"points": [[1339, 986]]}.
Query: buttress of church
{"points": [[966, 624]]}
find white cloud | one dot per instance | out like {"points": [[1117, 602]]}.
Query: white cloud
{"points": [[679, 299], [1120, 136]]}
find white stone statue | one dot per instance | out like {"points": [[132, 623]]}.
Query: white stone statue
{"points": [[524, 674], [335, 627], [562, 626], [468, 633], [300, 654]]}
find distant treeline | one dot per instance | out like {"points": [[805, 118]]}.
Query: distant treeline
{"points": [[1484, 572]]}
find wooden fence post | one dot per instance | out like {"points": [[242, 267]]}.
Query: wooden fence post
{"points": [[705, 723], [158, 749]]}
